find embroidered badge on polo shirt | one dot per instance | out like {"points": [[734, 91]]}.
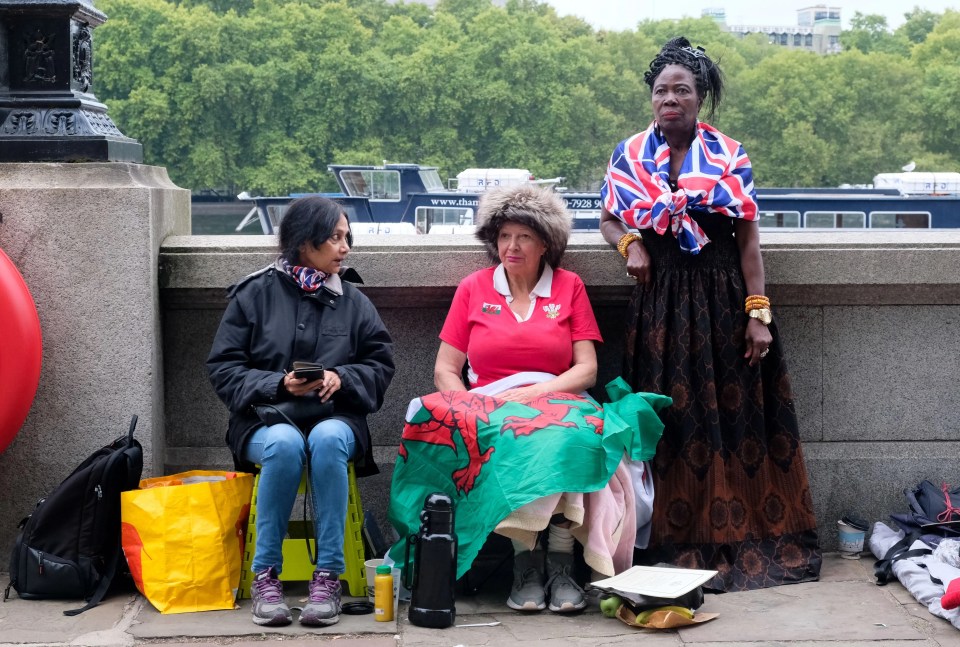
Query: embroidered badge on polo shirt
{"points": [[490, 309], [552, 310]]}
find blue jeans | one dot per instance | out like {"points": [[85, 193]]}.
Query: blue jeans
{"points": [[279, 450]]}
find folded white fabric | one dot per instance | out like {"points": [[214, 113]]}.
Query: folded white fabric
{"points": [[948, 552]]}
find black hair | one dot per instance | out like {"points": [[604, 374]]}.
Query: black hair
{"points": [[708, 77], [311, 219]]}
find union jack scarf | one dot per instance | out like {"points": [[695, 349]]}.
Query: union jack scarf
{"points": [[715, 176], [309, 279]]}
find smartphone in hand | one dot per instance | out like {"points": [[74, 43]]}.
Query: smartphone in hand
{"points": [[309, 370]]}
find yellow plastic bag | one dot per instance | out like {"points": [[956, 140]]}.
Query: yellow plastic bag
{"points": [[183, 538]]}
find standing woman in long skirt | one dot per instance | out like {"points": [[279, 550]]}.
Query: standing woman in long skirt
{"points": [[731, 490]]}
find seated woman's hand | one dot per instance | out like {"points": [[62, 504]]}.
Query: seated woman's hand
{"points": [[522, 394], [323, 388]]}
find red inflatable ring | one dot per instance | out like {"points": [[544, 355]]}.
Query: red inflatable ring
{"points": [[20, 351]]}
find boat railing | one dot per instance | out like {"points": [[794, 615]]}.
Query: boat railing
{"points": [[269, 210]]}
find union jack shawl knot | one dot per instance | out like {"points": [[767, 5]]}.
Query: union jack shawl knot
{"points": [[716, 176]]}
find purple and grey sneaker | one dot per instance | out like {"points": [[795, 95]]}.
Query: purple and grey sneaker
{"points": [[324, 605], [269, 609]]}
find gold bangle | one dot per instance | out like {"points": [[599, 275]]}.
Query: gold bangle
{"points": [[763, 315], [625, 242]]}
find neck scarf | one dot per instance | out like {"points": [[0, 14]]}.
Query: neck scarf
{"points": [[309, 279], [716, 176]]}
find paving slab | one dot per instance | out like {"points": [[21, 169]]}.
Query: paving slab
{"points": [[304, 641], [826, 643], [43, 622], [151, 624], [845, 608], [126, 620], [823, 611], [935, 628]]}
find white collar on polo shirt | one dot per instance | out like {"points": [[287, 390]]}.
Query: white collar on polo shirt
{"points": [[541, 289]]}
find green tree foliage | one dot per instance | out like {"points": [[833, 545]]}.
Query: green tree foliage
{"points": [[920, 22], [260, 95], [809, 120], [869, 33]]}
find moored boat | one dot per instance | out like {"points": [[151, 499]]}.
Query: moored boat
{"points": [[412, 199]]}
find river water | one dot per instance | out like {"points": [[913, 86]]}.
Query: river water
{"points": [[221, 218]]}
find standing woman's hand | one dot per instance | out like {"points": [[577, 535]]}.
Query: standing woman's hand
{"points": [[637, 257], [757, 337], [758, 340], [638, 263]]}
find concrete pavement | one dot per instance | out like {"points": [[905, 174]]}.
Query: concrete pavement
{"points": [[845, 608]]}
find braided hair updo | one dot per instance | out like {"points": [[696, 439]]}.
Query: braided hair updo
{"points": [[708, 76]]}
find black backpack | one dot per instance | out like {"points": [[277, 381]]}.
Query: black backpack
{"points": [[69, 547]]}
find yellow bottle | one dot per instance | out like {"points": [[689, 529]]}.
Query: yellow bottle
{"points": [[383, 594]]}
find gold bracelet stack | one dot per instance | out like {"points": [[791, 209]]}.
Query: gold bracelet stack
{"points": [[757, 307], [625, 241]]}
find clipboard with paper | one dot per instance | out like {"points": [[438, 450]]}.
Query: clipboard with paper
{"points": [[641, 583]]}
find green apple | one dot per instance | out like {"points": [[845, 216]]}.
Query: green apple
{"points": [[609, 606]]}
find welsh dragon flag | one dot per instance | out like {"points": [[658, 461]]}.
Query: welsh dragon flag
{"points": [[492, 456]]}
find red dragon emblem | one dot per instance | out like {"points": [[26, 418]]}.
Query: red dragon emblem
{"points": [[454, 412], [551, 414], [459, 412]]}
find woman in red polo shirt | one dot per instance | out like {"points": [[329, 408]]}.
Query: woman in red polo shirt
{"points": [[529, 321]]}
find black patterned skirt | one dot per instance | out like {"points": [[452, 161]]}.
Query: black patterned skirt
{"points": [[731, 489]]}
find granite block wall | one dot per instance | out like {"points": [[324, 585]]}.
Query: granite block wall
{"points": [[870, 322]]}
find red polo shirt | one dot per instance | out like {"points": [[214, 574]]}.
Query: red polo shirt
{"points": [[482, 325]]}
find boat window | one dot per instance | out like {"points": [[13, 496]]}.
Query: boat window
{"points": [[900, 219], [431, 180], [351, 212], [835, 220], [373, 184], [779, 218], [426, 217]]}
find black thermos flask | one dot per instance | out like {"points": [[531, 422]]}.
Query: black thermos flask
{"points": [[434, 565]]}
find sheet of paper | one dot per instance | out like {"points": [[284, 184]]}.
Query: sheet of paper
{"points": [[656, 581]]}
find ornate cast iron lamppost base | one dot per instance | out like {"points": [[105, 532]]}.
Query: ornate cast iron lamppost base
{"points": [[48, 112]]}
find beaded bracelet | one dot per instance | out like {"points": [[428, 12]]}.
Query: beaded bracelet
{"points": [[756, 302], [625, 242]]}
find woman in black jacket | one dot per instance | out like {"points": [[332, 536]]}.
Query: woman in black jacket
{"points": [[299, 309]]}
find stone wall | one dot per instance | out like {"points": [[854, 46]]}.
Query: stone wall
{"points": [[86, 238], [870, 321]]}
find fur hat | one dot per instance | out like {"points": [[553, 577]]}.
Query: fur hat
{"points": [[527, 204]]}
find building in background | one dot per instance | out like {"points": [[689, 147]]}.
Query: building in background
{"points": [[817, 29]]}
